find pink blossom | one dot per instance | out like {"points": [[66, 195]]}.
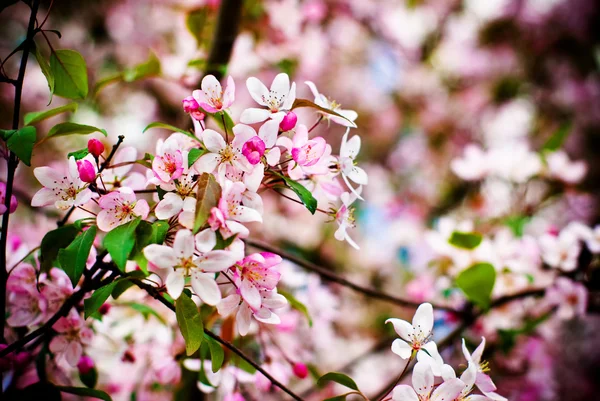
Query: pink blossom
{"points": [[230, 213], [570, 297], [254, 149], [85, 365], [120, 207], [86, 170], [300, 370], [95, 147], [264, 141], [72, 335], [289, 121], [256, 275], [212, 97], [13, 200], [221, 154], [56, 287], [170, 161]]}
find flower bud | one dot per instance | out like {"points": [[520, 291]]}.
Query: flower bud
{"points": [[190, 104], [104, 309], [13, 200], [254, 149], [85, 365], [300, 370], [95, 147], [86, 170], [289, 121]]}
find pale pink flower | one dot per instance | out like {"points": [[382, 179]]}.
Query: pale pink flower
{"points": [[56, 287], [345, 219], [181, 261], [560, 251], [257, 274], [72, 336], [347, 162], [570, 297], [324, 102], [230, 213], [212, 98], [170, 161], [473, 166], [120, 207], [483, 381], [310, 156], [278, 100], [25, 305], [562, 168], [63, 190], [122, 176], [424, 389], [221, 154], [13, 200], [225, 381], [413, 336]]}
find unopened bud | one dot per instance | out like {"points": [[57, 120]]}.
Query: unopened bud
{"points": [[95, 147], [300, 370], [103, 310], [289, 121], [85, 365], [190, 104], [254, 149], [86, 170]]}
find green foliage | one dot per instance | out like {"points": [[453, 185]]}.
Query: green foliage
{"points": [[79, 154], [147, 69], [37, 116], [45, 67], [20, 142], [477, 282], [53, 241], [146, 234], [207, 197], [304, 194], [223, 116], [194, 154], [119, 242], [217, 355], [517, 224], [558, 137], [90, 379], [338, 378], [69, 128], [74, 257], [124, 285], [85, 392], [299, 306], [195, 22], [146, 311], [465, 240], [169, 127], [93, 303], [70, 74], [223, 243], [190, 323]]}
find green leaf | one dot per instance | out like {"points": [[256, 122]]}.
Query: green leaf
{"points": [[53, 241], [304, 194], [74, 257], [147, 69], [90, 379], [21, 143], [194, 154], [465, 240], [45, 67], [477, 282], [219, 117], [70, 74], [146, 311], [93, 303], [115, 77], [223, 243], [338, 378], [119, 242], [558, 137], [63, 129], [37, 116], [6, 133], [190, 323], [79, 154], [299, 306], [195, 21], [169, 127], [307, 103], [146, 234], [517, 224], [207, 197], [124, 285], [86, 392], [217, 355]]}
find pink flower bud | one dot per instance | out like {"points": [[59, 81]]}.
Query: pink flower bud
{"points": [[190, 104], [289, 121], [86, 170], [197, 115], [104, 308], [95, 147], [13, 200], [85, 365], [300, 370], [254, 149]]}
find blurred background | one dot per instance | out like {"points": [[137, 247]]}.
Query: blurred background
{"points": [[428, 79]]}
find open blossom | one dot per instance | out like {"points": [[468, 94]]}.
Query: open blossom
{"points": [[260, 144], [277, 100], [345, 219], [560, 167], [170, 161], [424, 389], [230, 213], [13, 200], [473, 166], [72, 335], [323, 101], [211, 97], [56, 287], [120, 207], [561, 251], [62, 190], [181, 261], [221, 154], [257, 274], [310, 156], [413, 336], [122, 176], [483, 381], [225, 381], [25, 305], [570, 297], [350, 171], [181, 202]]}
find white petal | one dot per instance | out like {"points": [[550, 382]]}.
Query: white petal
{"points": [[213, 141], [205, 240], [280, 86], [169, 206], [207, 163], [253, 115], [268, 133], [423, 320], [175, 283], [257, 90], [422, 379], [401, 348], [250, 294], [404, 393], [206, 288], [448, 390], [183, 246], [160, 255], [402, 328]]}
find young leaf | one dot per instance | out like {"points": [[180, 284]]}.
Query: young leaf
{"points": [[101, 83], [70, 74], [207, 197], [93, 303], [146, 311], [120, 242], [558, 137], [195, 22], [194, 154], [53, 241], [307, 103], [45, 67], [79, 154], [299, 306], [465, 240], [74, 257], [190, 323], [86, 392], [124, 285], [21, 143], [219, 117], [338, 378], [169, 127], [477, 282], [73, 129], [304, 194], [90, 378], [146, 234], [37, 116], [217, 355], [144, 70]]}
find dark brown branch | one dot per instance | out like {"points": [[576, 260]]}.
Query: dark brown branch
{"points": [[331, 276], [228, 24]]}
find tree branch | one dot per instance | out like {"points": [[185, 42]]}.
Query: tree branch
{"points": [[228, 23]]}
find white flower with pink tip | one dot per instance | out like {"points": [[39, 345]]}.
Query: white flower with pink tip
{"points": [[277, 100], [424, 389], [222, 154], [64, 190], [483, 381], [179, 203], [191, 257], [344, 216], [321, 100], [211, 97], [256, 274], [72, 335], [120, 207], [229, 215]]}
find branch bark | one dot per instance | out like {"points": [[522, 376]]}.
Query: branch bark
{"points": [[228, 23]]}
